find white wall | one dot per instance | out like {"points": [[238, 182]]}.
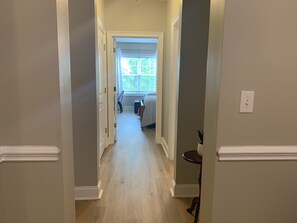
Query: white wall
{"points": [[99, 4], [131, 15]]}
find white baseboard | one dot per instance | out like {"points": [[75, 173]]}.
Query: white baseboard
{"points": [[164, 146], [88, 192], [254, 153], [29, 153], [184, 190]]}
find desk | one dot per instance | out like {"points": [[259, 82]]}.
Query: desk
{"points": [[193, 157]]}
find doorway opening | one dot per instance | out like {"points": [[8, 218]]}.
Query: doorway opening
{"points": [[135, 79]]}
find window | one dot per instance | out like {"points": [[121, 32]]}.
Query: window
{"points": [[138, 74]]}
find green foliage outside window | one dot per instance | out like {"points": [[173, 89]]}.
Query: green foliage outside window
{"points": [[139, 74], [130, 83]]}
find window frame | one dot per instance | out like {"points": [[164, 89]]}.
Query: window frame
{"points": [[139, 74]]}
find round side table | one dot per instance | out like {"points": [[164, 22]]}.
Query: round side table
{"points": [[193, 157]]}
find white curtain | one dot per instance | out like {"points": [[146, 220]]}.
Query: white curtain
{"points": [[138, 53], [119, 71]]}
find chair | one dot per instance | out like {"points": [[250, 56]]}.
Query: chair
{"points": [[120, 98]]}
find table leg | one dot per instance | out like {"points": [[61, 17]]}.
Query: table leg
{"points": [[193, 205], [199, 200], [197, 211]]}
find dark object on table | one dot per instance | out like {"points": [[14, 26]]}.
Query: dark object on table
{"points": [[136, 106], [193, 157], [120, 98], [200, 135]]}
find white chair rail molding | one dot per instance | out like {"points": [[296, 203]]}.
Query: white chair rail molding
{"points": [[29, 153], [253, 153]]}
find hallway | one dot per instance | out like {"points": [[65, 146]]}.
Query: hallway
{"points": [[136, 176]]}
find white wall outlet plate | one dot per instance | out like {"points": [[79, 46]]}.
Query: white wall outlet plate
{"points": [[247, 102]]}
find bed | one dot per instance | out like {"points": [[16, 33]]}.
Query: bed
{"points": [[148, 113]]}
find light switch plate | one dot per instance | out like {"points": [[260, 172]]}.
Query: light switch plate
{"points": [[247, 102]]}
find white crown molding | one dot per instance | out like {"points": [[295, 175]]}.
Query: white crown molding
{"points": [[165, 146], [250, 153], [89, 192], [184, 190], [28, 153]]}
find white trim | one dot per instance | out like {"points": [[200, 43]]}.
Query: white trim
{"points": [[67, 166], [175, 20], [172, 188], [184, 190], [100, 25], [174, 83], [28, 153], [111, 78], [165, 147], [88, 192], [101, 98], [242, 153]]}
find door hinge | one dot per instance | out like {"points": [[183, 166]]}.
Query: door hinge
{"points": [[115, 125], [105, 130], [104, 47], [114, 88], [105, 90], [114, 45]]}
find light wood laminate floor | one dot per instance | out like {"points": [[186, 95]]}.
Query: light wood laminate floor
{"points": [[136, 177]]}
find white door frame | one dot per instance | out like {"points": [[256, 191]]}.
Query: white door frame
{"points": [[173, 85], [100, 28], [111, 80]]}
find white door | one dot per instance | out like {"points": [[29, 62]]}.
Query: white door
{"points": [[102, 108], [175, 41], [115, 91]]}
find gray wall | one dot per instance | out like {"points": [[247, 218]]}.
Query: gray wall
{"points": [[31, 111], [2, 207], [194, 39], [29, 62], [32, 192], [255, 192], [259, 53], [83, 72]]}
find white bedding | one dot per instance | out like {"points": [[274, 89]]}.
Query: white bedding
{"points": [[149, 114]]}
